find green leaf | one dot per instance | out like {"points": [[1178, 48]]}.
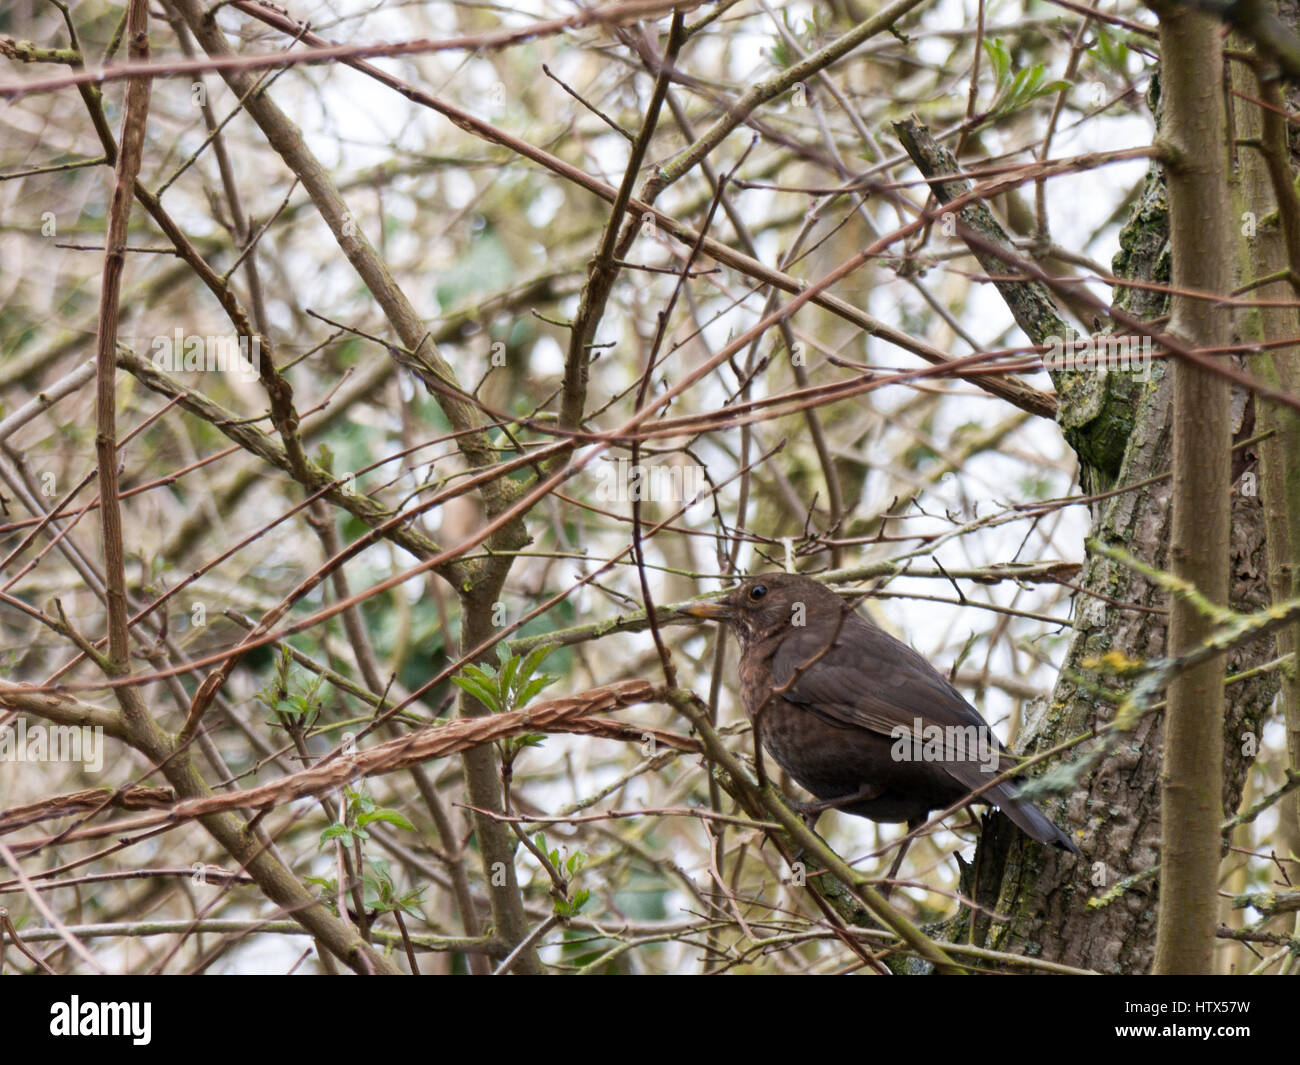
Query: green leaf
{"points": [[1111, 51], [965, 651], [487, 696], [391, 817], [483, 674], [535, 657], [1023, 88], [572, 907], [535, 686], [1001, 60], [507, 680]]}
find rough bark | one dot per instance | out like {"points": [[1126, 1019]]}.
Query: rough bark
{"points": [[1044, 895], [1269, 206]]}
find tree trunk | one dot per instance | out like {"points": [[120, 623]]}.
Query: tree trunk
{"points": [[1086, 912]]}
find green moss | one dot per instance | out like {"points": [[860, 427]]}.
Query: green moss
{"points": [[1098, 411]]}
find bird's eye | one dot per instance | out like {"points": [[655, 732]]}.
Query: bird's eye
{"points": [[758, 591]]}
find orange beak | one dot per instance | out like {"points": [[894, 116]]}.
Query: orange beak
{"points": [[709, 611]]}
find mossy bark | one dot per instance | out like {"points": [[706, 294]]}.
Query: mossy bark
{"points": [[1121, 427]]}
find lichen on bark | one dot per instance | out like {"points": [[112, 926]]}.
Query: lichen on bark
{"points": [[1034, 900]]}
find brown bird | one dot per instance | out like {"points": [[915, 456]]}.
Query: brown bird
{"points": [[858, 718]]}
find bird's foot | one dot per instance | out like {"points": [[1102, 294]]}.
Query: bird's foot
{"points": [[863, 794], [808, 812]]}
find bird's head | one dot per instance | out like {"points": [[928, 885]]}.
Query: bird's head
{"points": [[761, 607]]}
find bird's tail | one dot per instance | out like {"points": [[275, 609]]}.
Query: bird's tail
{"points": [[972, 773], [1029, 818]]}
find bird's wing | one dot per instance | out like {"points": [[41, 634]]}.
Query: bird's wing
{"points": [[867, 679]]}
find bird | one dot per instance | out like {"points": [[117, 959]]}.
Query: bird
{"points": [[860, 719]]}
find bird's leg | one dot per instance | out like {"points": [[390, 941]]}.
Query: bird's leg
{"points": [[864, 793], [810, 811], [912, 826]]}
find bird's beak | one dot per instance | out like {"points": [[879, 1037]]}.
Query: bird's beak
{"points": [[710, 611]]}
